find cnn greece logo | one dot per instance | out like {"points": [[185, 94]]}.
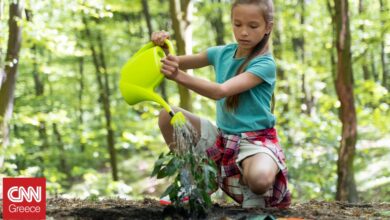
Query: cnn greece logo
{"points": [[24, 198], [22, 193]]}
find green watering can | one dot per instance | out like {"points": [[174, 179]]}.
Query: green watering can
{"points": [[141, 75]]}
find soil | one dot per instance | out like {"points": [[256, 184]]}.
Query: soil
{"points": [[150, 209]]}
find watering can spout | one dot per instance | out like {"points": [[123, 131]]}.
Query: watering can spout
{"points": [[134, 94], [141, 75]]}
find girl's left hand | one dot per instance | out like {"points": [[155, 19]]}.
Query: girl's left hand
{"points": [[170, 67]]}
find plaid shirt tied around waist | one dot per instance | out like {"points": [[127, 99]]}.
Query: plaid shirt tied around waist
{"points": [[224, 153]]}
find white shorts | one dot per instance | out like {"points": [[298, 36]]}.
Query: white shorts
{"points": [[209, 133]]}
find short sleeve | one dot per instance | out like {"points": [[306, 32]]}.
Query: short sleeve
{"points": [[263, 67], [212, 54]]}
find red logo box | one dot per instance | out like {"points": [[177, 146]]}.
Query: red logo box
{"points": [[24, 198]]}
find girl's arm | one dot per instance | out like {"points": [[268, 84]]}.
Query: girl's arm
{"points": [[193, 61], [235, 85]]}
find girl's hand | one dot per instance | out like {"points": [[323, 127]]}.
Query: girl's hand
{"points": [[159, 37], [170, 67]]}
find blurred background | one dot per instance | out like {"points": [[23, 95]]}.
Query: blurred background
{"points": [[70, 124]]}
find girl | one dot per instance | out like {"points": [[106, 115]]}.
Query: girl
{"points": [[251, 164]]}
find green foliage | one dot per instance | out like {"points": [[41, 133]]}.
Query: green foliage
{"points": [[194, 176], [57, 51]]}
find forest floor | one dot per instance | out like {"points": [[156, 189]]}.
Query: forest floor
{"points": [[150, 209]]}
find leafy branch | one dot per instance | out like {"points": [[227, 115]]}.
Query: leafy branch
{"points": [[195, 177]]}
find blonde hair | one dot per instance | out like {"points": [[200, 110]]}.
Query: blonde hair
{"points": [[267, 10]]}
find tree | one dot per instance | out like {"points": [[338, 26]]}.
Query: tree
{"points": [[366, 72], [346, 187], [216, 20], [277, 44], [145, 10], [299, 46], [385, 68], [99, 61], [181, 13], [7, 85]]}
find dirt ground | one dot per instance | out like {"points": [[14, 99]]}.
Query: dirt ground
{"points": [[150, 209]]}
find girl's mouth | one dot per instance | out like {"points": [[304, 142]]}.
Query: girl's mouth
{"points": [[244, 41]]}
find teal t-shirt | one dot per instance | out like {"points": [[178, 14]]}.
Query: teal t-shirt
{"points": [[254, 109]]}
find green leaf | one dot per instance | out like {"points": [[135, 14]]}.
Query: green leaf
{"points": [[159, 163], [168, 190], [170, 169]]}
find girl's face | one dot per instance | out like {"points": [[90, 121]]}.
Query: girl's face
{"points": [[249, 26]]}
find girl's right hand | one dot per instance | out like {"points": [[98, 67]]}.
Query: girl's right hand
{"points": [[159, 37], [170, 67]]}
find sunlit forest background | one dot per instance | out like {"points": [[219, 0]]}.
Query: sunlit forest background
{"points": [[71, 125]]}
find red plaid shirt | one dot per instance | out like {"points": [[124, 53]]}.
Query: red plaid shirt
{"points": [[225, 152]]}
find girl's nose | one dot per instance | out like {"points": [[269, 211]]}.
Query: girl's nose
{"points": [[244, 32]]}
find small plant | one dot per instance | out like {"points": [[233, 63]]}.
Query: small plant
{"points": [[195, 175]]}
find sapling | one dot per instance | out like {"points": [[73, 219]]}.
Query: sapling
{"points": [[194, 174]]}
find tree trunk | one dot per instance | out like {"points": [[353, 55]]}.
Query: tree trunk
{"points": [[104, 92], [366, 72], [145, 9], [217, 24], [107, 109], [181, 13], [365, 69], [299, 48], [39, 90], [385, 70], [2, 74], [7, 87], [278, 52], [346, 187], [385, 67], [373, 68], [332, 54], [38, 82], [80, 105], [62, 156]]}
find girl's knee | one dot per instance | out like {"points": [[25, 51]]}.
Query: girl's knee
{"points": [[259, 173], [261, 182]]}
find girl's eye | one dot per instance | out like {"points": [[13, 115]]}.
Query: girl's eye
{"points": [[237, 25]]}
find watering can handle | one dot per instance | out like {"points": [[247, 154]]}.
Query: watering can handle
{"points": [[170, 47], [151, 44]]}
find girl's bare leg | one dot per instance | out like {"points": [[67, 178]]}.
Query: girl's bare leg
{"points": [[167, 129], [259, 172]]}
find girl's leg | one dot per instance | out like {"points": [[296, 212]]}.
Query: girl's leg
{"points": [[167, 129], [259, 172]]}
